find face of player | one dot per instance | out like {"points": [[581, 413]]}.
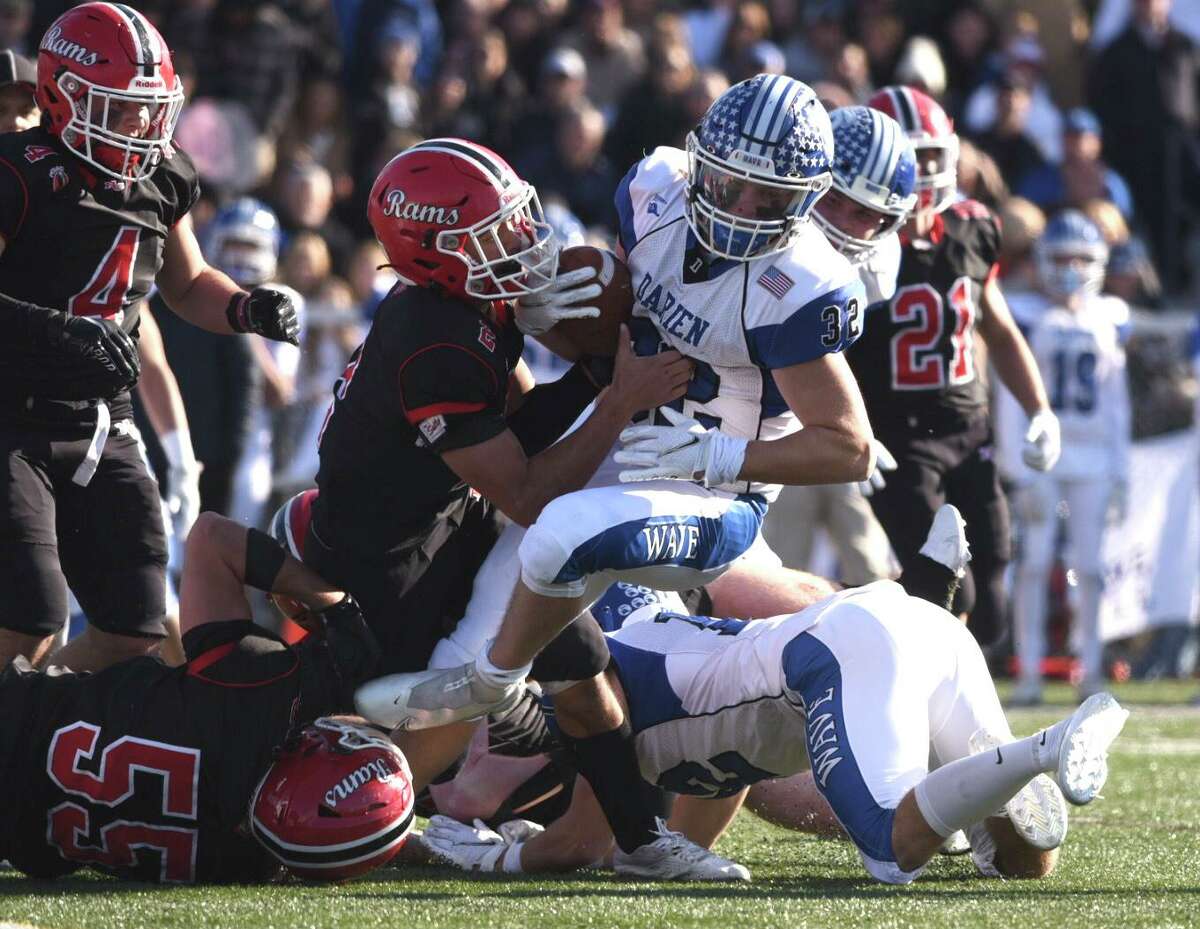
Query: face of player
{"points": [[747, 199], [852, 217], [17, 108], [130, 118]]}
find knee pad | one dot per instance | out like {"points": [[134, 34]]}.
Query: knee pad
{"points": [[578, 653], [543, 556]]}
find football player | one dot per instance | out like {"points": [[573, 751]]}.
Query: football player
{"points": [[917, 370], [149, 772], [867, 684], [727, 270], [1077, 336], [93, 212], [431, 441]]}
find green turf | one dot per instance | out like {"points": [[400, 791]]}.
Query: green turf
{"points": [[1132, 859]]}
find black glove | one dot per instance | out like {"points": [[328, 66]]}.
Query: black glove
{"points": [[104, 342], [267, 312]]}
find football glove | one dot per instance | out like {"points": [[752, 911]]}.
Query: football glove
{"points": [[182, 488], [684, 450], [473, 848], [267, 312], [537, 312], [104, 342], [1043, 441], [883, 462]]}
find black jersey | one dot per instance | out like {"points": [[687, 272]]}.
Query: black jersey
{"points": [[916, 358], [432, 376], [80, 243], [145, 771]]}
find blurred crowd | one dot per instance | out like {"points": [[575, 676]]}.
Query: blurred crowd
{"points": [[1093, 104]]}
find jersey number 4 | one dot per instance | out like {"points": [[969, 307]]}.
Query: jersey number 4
{"points": [[919, 359], [104, 294], [169, 776]]}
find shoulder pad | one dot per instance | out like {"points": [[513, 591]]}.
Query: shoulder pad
{"points": [[647, 191]]}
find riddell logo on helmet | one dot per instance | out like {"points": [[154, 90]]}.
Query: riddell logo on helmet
{"points": [[377, 769], [143, 82], [421, 212], [54, 43]]}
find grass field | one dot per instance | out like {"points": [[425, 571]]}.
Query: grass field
{"points": [[1132, 859]]}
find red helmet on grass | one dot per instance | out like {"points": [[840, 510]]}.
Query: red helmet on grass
{"points": [[337, 802]]}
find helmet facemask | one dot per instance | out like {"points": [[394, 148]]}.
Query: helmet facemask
{"points": [[937, 170], [119, 155], [890, 218], [508, 254], [1071, 269], [721, 191]]}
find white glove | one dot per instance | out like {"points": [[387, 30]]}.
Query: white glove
{"points": [[685, 450], [883, 462], [182, 490], [537, 312], [472, 848], [519, 830], [1043, 442]]}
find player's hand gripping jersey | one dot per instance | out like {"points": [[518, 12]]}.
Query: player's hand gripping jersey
{"points": [[737, 320], [916, 357]]}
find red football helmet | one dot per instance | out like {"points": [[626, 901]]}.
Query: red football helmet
{"points": [[107, 85], [337, 802], [932, 134], [454, 215]]}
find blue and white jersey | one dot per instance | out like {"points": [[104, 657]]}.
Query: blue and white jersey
{"points": [[715, 704], [1081, 357], [737, 320], [880, 270]]}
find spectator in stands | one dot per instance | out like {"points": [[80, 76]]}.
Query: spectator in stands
{"points": [[531, 27], [613, 53], [1082, 176], [1007, 141], [1131, 276], [1145, 87], [655, 112], [306, 264], [1108, 220], [921, 66], [1019, 65], [305, 204], [852, 70], [561, 87], [811, 50], [750, 24], [706, 25], [18, 79], [881, 33], [319, 132], [495, 93], [763, 57], [368, 277], [969, 38], [1023, 223], [978, 176], [15, 19], [575, 167]]}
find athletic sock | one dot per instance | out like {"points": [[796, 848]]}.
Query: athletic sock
{"points": [[1091, 649], [970, 789], [929, 580], [1030, 603], [498, 677], [609, 764]]}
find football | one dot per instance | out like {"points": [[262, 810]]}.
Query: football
{"points": [[598, 335]]}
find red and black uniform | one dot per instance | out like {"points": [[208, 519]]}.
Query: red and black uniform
{"points": [[916, 367], [145, 771], [394, 525], [88, 246]]}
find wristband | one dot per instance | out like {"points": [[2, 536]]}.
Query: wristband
{"points": [[725, 460], [177, 446], [236, 313]]}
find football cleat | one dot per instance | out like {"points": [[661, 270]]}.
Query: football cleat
{"points": [[1083, 756], [946, 542], [674, 857], [433, 698], [956, 843], [1037, 811]]}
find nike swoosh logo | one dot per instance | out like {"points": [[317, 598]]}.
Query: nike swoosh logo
{"points": [[682, 445], [1043, 742], [999, 757]]}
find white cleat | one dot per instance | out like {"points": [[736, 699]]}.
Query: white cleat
{"points": [[1083, 757], [1038, 811], [433, 698], [956, 843], [946, 542], [674, 857]]}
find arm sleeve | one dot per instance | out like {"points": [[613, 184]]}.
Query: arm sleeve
{"points": [[30, 324], [452, 397], [829, 323], [549, 410]]}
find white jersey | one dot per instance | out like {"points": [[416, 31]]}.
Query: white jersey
{"points": [[1081, 357], [737, 320], [715, 703]]}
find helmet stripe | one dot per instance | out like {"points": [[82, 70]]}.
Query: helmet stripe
{"points": [[145, 53], [906, 112], [773, 97], [479, 157], [781, 112], [871, 162], [332, 855]]}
